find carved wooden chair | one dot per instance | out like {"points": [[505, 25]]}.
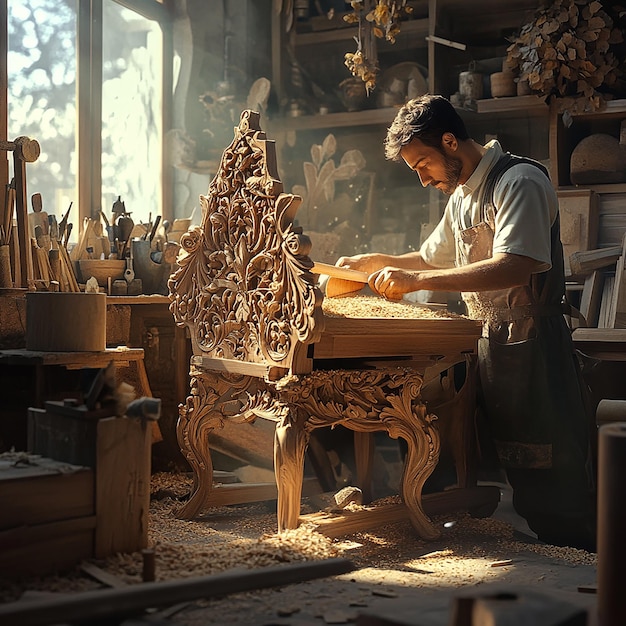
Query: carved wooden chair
{"points": [[264, 349]]}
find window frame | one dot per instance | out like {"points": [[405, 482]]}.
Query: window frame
{"points": [[89, 98]]}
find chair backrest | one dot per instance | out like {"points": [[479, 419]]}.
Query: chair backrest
{"points": [[243, 285]]}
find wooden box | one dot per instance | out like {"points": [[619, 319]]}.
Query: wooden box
{"points": [[118, 448], [48, 516], [579, 221]]}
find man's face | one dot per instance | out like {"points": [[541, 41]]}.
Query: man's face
{"points": [[436, 167]]}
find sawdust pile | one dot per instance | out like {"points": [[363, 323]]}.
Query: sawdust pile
{"points": [[373, 307], [244, 536]]}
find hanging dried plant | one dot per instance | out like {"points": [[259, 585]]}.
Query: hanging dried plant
{"points": [[383, 21], [573, 51]]}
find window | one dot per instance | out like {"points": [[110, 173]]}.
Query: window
{"points": [[132, 52], [41, 62], [86, 78]]}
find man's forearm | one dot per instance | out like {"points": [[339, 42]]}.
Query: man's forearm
{"points": [[501, 272]]}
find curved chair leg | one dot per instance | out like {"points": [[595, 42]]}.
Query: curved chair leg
{"points": [[198, 417], [290, 444]]}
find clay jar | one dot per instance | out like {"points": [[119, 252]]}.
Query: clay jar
{"points": [[471, 85]]}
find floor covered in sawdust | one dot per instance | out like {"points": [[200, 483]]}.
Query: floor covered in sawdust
{"points": [[398, 579]]}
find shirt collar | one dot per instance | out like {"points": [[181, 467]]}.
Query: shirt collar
{"points": [[494, 152]]}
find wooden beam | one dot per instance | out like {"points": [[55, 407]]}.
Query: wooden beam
{"points": [[484, 498], [591, 297], [4, 94], [109, 603], [586, 261]]}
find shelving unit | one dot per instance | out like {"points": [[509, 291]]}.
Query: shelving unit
{"points": [[524, 124]]}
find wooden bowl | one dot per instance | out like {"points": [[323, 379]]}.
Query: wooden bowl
{"points": [[101, 270]]}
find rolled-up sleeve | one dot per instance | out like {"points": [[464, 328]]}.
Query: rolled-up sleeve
{"points": [[526, 207]]}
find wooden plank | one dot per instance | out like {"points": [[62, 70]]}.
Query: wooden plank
{"points": [[46, 548], [76, 360], [139, 299], [586, 261], [591, 297], [239, 493], [529, 104], [21, 536], [604, 318], [579, 221], [99, 605], [605, 337], [390, 343], [122, 485], [618, 304], [347, 522], [608, 344], [232, 366], [46, 492]]}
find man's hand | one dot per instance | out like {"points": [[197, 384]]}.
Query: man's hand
{"points": [[367, 263], [392, 283]]}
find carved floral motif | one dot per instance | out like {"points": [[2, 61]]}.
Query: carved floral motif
{"points": [[243, 285]]}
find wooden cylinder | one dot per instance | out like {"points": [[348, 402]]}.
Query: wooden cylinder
{"points": [[609, 411], [148, 574], [5, 267], [65, 321], [503, 84], [611, 516]]}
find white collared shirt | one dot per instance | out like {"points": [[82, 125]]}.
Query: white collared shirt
{"points": [[526, 206]]}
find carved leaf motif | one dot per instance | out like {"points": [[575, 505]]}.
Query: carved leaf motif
{"points": [[316, 154], [243, 286], [329, 147]]}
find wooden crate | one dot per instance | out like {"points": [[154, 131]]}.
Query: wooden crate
{"points": [[48, 516], [56, 513]]}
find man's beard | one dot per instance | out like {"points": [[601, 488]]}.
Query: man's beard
{"points": [[453, 167]]}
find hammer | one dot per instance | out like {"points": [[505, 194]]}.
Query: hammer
{"points": [[25, 150]]}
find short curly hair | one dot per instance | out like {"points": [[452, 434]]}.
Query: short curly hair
{"points": [[428, 118]]}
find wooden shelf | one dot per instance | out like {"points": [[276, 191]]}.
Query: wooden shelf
{"points": [[514, 106], [334, 120], [613, 109], [530, 105], [606, 188]]}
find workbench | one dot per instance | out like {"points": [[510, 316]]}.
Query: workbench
{"points": [[263, 349], [30, 377]]}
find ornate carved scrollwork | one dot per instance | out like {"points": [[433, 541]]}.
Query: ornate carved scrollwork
{"points": [[365, 401], [243, 285], [204, 411]]}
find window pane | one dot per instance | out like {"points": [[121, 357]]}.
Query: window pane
{"points": [[42, 94], [132, 53]]}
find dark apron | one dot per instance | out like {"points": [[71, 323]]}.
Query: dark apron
{"points": [[530, 388]]}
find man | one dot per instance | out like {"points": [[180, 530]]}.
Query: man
{"points": [[498, 243]]}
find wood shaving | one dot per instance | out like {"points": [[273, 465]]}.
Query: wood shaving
{"points": [[373, 307], [391, 557]]}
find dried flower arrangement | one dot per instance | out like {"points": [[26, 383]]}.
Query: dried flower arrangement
{"points": [[380, 18], [572, 50]]}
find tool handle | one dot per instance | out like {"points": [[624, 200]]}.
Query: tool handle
{"points": [[340, 272]]}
